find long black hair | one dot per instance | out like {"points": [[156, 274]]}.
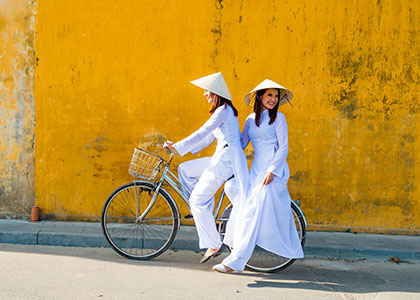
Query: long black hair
{"points": [[222, 101], [258, 108]]}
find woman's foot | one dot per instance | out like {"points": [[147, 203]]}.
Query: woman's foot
{"points": [[222, 268], [212, 253]]}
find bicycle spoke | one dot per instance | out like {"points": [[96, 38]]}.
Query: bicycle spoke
{"points": [[147, 238], [126, 201]]}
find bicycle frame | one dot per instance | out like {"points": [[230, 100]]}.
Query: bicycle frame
{"points": [[184, 193], [172, 180]]}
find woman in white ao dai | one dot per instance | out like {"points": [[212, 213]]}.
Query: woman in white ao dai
{"points": [[204, 176], [265, 218]]}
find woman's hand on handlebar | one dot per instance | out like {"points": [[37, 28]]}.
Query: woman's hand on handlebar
{"points": [[168, 146]]}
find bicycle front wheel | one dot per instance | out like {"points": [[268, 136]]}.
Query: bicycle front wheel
{"points": [[134, 238], [266, 261]]}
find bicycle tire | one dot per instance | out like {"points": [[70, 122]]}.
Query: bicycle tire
{"points": [[265, 261], [268, 262], [139, 240]]}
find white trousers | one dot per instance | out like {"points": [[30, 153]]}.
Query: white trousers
{"points": [[231, 190], [204, 176]]}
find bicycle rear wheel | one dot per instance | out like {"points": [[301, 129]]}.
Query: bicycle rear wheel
{"points": [[263, 260], [130, 237]]}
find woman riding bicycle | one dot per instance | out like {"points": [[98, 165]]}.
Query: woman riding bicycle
{"points": [[204, 176], [265, 217]]}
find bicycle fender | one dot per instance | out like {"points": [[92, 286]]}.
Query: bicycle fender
{"points": [[300, 210]]}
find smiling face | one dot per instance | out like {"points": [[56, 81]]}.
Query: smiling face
{"points": [[209, 96], [270, 98]]}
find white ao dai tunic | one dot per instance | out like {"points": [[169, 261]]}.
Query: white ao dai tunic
{"points": [[204, 176], [265, 218]]}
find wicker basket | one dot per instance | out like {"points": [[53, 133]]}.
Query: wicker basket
{"points": [[144, 164]]}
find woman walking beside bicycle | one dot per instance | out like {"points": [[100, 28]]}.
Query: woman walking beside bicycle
{"points": [[265, 217], [204, 176]]}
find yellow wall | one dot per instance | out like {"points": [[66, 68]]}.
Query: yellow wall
{"points": [[16, 107], [110, 73]]}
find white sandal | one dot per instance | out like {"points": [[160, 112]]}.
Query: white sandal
{"points": [[222, 268]]}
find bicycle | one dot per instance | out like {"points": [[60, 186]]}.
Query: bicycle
{"points": [[140, 219]]}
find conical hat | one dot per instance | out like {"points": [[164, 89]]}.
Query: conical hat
{"points": [[215, 84], [285, 94]]}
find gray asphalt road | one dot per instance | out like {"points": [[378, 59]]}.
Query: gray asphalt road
{"points": [[46, 272]]}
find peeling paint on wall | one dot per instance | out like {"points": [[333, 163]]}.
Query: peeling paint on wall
{"points": [[16, 108]]}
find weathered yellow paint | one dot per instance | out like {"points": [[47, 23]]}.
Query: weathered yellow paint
{"points": [[16, 108], [111, 73]]}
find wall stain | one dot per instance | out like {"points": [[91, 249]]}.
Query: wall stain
{"points": [[99, 139], [345, 67], [98, 167], [296, 176], [75, 75], [149, 141], [249, 153], [97, 144], [216, 30], [235, 75], [240, 12], [101, 175], [17, 180]]}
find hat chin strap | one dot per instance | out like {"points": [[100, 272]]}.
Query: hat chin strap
{"points": [[287, 99], [258, 98]]}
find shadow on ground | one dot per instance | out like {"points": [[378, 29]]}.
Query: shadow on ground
{"points": [[368, 276]]}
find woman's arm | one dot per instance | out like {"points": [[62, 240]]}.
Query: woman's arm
{"points": [[245, 135], [194, 140], [204, 143], [276, 166]]}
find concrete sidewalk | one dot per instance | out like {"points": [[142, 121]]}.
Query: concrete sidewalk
{"points": [[318, 244]]}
